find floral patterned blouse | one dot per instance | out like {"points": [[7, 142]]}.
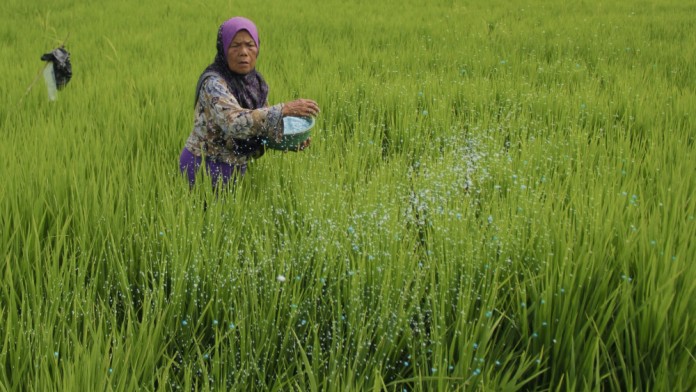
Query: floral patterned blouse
{"points": [[221, 126]]}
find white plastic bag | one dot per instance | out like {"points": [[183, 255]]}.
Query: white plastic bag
{"points": [[50, 78]]}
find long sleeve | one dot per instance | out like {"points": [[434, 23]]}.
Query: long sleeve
{"points": [[221, 126], [224, 111]]}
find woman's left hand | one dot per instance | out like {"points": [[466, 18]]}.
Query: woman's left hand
{"points": [[302, 146], [305, 144]]}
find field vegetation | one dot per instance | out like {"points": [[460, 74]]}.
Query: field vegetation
{"points": [[499, 196]]}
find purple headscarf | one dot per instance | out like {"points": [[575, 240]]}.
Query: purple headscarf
{"points": [[250, 90], [233, 26]]}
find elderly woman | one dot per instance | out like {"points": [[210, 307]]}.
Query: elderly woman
{"points": [[232, 115]]}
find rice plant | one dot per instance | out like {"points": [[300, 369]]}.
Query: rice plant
{"points": [[498, 196]]}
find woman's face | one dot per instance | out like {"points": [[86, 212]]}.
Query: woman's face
{"points": [[242, 52]]}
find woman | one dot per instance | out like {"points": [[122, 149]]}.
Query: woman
{"points": [[232, 115]]}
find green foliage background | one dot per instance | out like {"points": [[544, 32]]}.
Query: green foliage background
{"points": [[499, 196]]}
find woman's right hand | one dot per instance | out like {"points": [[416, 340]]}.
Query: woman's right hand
{"points": [[300, 108]]}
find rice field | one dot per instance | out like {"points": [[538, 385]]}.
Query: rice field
{"points": [[499, 195]]}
